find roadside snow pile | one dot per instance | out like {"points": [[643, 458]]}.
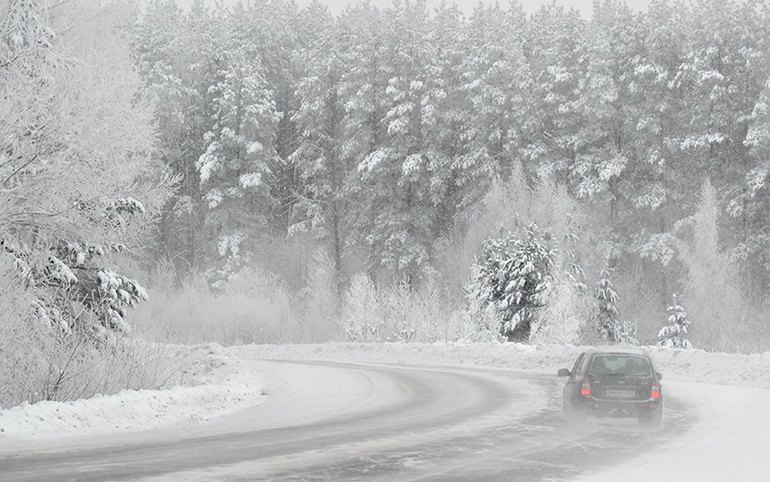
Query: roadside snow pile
{"points": [[221, 386], [692, 365], [719, 368]]}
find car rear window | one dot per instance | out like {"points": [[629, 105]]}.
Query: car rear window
{"points": [[620, 364]]}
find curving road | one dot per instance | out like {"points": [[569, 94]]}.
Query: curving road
{"points": [[405, 423]]}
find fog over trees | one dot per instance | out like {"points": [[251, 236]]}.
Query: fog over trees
{"points": [[271, 173], [381, 136]]}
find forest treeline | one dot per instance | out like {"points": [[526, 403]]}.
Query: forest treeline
{"points": [[386, 138], [271, 173]]}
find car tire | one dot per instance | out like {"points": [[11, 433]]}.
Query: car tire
{"points": [[571, 413], [652, 419]]}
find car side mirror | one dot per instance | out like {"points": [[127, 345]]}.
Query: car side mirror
{"points": [[660, 375], [563, 372]]}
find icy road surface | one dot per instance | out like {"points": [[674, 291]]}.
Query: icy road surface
{"points": [[332, 421]]}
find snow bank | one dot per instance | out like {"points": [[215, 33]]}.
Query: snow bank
{"points": [[222, 388], [689, 365]]}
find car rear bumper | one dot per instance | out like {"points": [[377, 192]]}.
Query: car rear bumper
{"points": [[620, 408]]}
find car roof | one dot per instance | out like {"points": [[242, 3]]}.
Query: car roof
{"points": [[621, 349]]}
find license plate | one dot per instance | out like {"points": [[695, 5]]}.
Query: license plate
{"points": [[620, 393]]}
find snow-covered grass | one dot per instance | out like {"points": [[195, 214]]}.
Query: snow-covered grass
{"points": [[48, 367], [216, 385]]}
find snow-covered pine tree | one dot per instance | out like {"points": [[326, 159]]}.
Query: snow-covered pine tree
{"points": [[511, 278], [326, 204], [399, 172], [751, 202], [555, 50], [176, 54], [610, 327], [234, 169], [599, 147], [496, 81], [674, 334]]}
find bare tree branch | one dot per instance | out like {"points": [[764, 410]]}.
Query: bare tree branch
{"points": [[8, 64], [21, 168]]}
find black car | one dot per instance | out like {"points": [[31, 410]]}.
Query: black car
{"points": [[617, 382]]}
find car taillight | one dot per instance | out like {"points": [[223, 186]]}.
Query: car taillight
{"points": [[585, 388], [655, 390]]}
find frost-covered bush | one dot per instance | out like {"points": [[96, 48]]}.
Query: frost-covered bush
{"points": [[399, 314], [320, 301], [568, 309], [361, 318], [252, 307], [510, 280]]}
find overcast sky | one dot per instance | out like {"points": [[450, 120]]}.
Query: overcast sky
{"points": [[336, 6]]}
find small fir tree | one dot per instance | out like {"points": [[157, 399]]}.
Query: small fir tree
{"points": [[674, 335], [610, 327], [628, 333]]}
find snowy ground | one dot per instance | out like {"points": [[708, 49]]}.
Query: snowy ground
{"points": [[729, 442], [693, 365], [224, 387], [726, 393]]}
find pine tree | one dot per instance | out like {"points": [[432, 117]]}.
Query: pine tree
{"points": [[497, 84], [610, 327], [399, 171], [750, 204], [555, 49], [234, 169], [177, 56], [510, 280], [674, 334], [326, 205]]}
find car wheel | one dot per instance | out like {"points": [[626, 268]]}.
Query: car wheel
{"points": [[571, 413], [652, 419]]}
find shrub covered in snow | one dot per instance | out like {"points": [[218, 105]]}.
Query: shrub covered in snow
{"points": [[400, 314], [253, 306], [361, 319], [567, 309]]}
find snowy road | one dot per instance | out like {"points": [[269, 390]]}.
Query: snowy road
{"points": [[351, 421]]}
